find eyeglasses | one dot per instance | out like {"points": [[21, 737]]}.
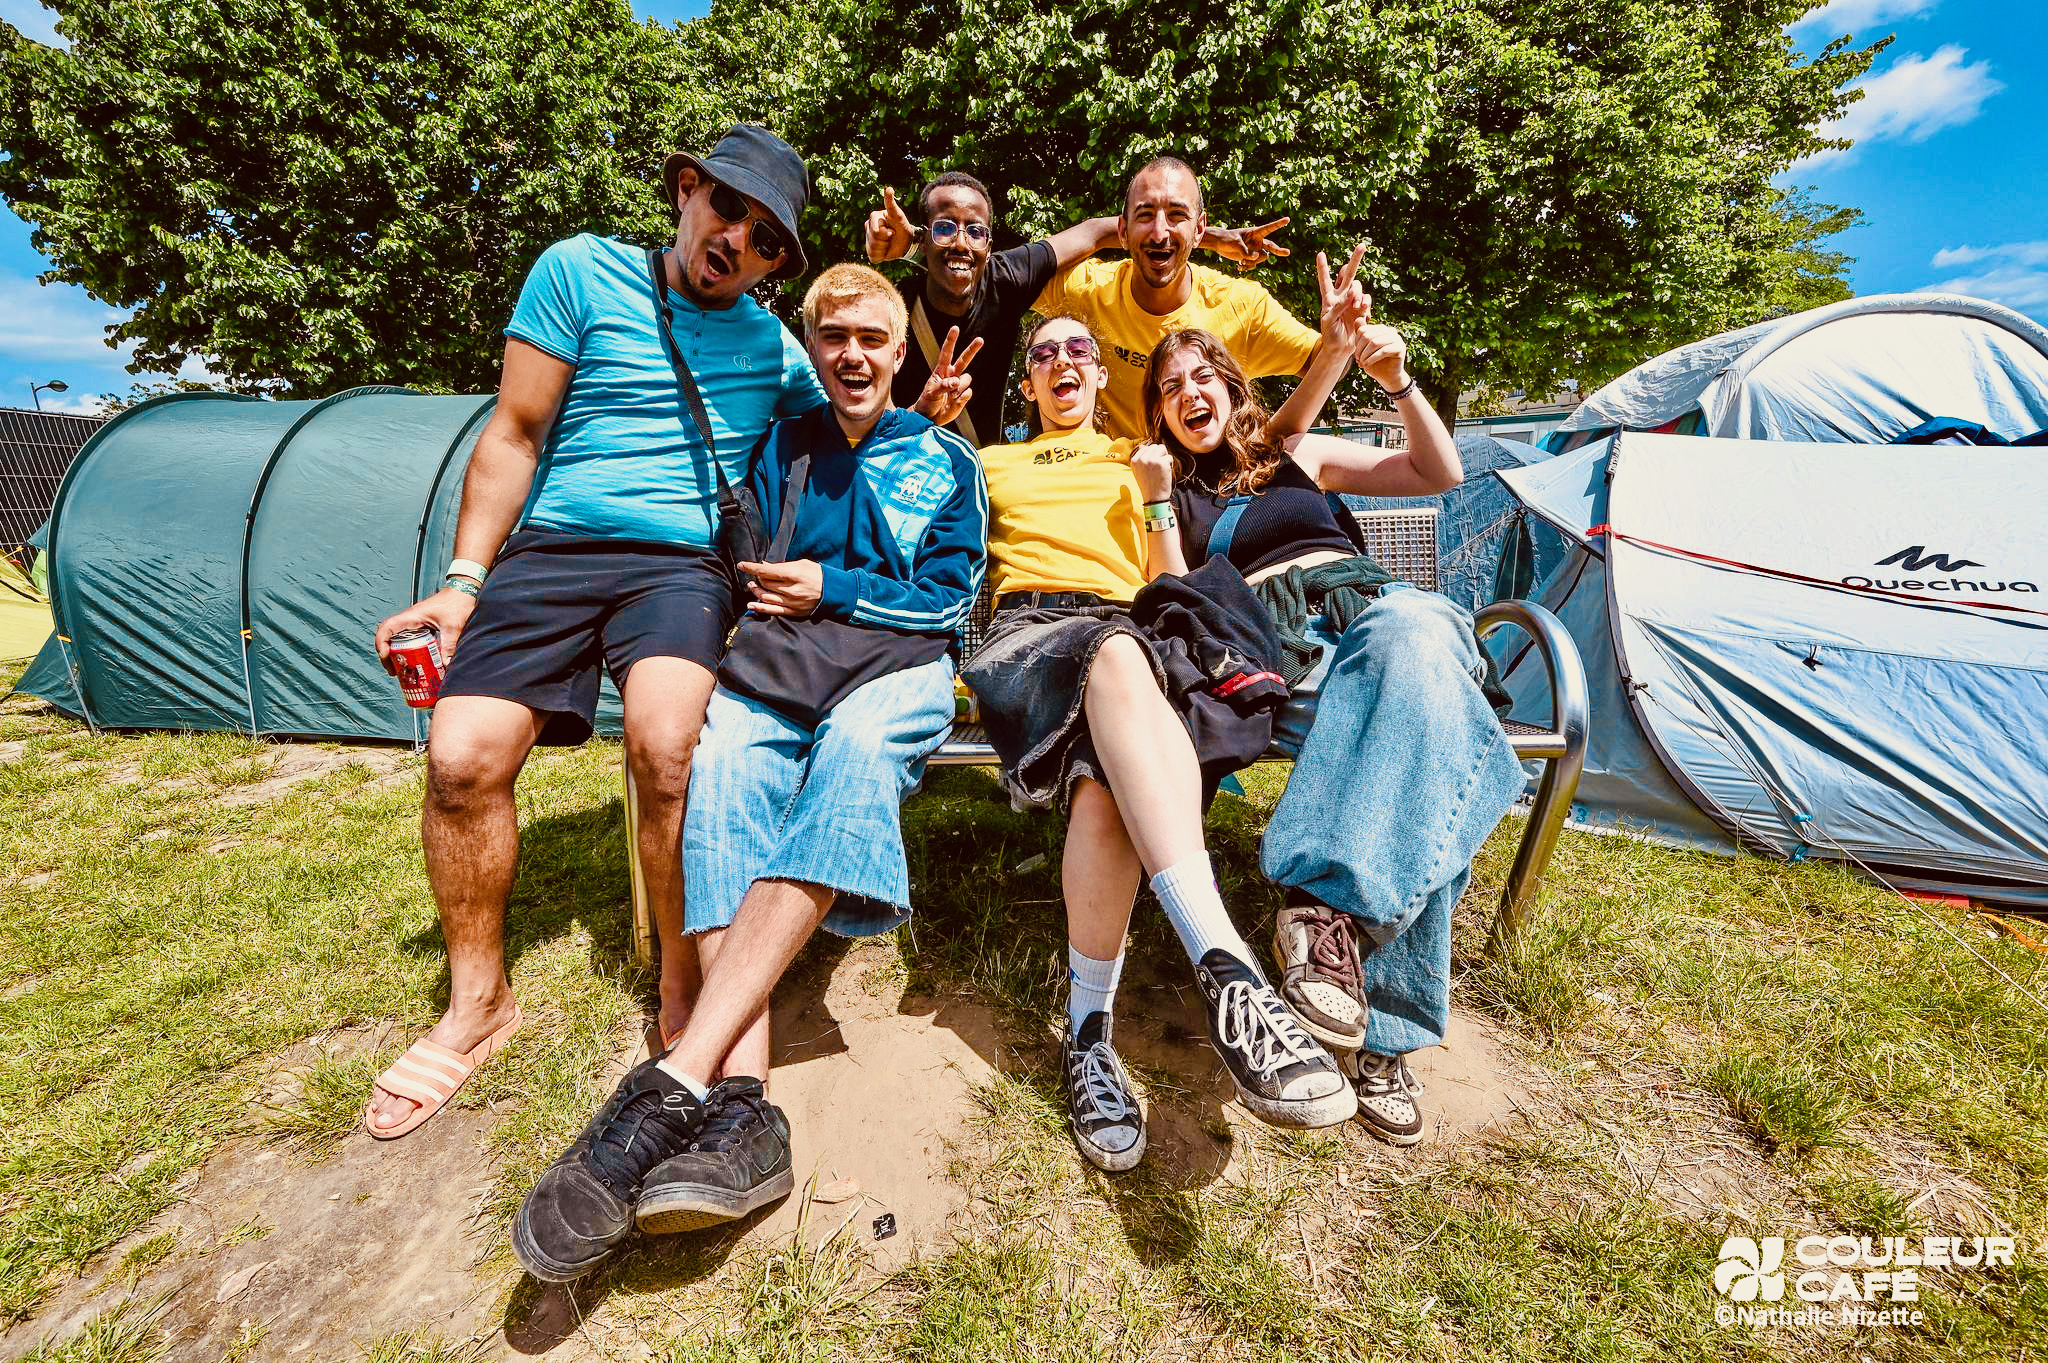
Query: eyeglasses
{"points": [[945, 229], [1079, 348], [727, 204]]}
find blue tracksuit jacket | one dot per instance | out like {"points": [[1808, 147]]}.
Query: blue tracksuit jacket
{"points": [[899, 522]]}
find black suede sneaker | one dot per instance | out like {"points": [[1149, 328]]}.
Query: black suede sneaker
{"points": [[1108, 1124], [1283, 1075], [738, 1161], [583, 1205]]}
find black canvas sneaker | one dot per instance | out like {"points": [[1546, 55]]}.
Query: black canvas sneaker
{"points": [[1108, 1124], [582, 1208], [737, 1162], [1386, 1097], [1283, 1075]]}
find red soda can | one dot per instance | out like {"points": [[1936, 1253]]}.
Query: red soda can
{"points": [[416, 658]]}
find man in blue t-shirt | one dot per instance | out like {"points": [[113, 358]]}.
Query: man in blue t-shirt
{"points": [[836, 691], [587, 540]]}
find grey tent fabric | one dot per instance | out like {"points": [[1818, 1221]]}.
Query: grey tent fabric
{"points": [[1869, 684], [1474, 518], [221, 563], [1861, 371]]}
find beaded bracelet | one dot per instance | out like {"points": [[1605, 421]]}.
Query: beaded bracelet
{"points": [[1407, 389]]}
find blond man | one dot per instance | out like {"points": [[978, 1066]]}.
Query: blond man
{"points": [[838, 686]]}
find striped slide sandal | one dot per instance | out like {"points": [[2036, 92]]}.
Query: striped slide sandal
{"points": [[429, 1074]]}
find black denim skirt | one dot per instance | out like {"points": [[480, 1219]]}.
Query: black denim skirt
{"points": [[1029, 677]]}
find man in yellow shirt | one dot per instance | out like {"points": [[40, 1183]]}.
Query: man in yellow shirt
{"points": [[1132, 303]]}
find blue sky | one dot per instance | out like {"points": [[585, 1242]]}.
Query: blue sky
{"points": [[1950, 170]]}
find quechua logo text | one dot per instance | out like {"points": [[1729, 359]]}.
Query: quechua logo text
{"points": [[1915, 558]]}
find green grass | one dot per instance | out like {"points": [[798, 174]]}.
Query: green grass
{"points": [[146, 981], [125, 1333], [1831, 1048]]}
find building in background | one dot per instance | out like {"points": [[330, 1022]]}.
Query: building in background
{"points": [[35, 450], [1528, 422]]}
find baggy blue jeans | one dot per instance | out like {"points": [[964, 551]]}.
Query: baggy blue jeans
{"points": [[773, 800], [1402, 775]]}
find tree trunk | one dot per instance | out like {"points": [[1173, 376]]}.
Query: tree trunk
{"points": [[1444, 389]]}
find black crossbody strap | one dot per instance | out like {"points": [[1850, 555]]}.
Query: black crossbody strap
{"points": [[792, 500], [686, 382]]}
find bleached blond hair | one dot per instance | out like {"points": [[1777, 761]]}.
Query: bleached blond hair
{"points": [[849, 283]]}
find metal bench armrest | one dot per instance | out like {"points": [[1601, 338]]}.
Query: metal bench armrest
{"points": [[1561, 748]]}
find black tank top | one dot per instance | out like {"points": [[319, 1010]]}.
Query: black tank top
{"points": [[1289, 517]]}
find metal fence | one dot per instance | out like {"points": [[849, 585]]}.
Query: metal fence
{"points": [[35, 449]]}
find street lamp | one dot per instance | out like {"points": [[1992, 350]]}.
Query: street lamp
{"points": [[36, 390]]}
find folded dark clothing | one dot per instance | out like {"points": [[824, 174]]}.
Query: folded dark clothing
{"points": [[1339, 591], [1216, 642]]}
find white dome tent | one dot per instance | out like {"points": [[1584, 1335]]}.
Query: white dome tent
{"points": [[1800, 637], [1861, 372]]}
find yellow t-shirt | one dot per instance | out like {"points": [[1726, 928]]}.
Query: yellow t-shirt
{"points": [[1065, 516], [1263, 336]]}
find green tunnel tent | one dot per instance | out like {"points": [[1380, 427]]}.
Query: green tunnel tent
{"points": [[221, 563]]}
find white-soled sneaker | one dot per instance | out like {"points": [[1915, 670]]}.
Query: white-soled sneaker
{"points": [[1386, 1097], [1320, 978], [1108, 1123], [1283, 1075]]}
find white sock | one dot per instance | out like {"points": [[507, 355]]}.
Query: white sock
{"points": [[1091, 987], [1195, 908], [697, 1088]]}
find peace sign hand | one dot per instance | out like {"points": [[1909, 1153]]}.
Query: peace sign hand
{"points": [[1346, 306], [890, 233], [950, 388], [1250, 247]]}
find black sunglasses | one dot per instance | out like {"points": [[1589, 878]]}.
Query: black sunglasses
{"points": [[763, 237], [1080, 348]]}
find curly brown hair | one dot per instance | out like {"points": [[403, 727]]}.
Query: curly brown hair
{"points": [[1254, 457]]}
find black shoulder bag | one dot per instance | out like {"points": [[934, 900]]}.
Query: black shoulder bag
{"points": [[741, 530], [802, 667]]}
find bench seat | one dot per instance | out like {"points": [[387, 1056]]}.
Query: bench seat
{"points": [[1405, 541]]}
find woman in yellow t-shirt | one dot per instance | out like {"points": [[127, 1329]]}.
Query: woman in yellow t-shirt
{"points": [[1071, 694]]}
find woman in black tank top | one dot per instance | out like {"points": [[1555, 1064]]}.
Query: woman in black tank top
{"points": [[1404, 770]]}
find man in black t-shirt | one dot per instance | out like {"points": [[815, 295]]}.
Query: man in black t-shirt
{"points": [[984, 294]]}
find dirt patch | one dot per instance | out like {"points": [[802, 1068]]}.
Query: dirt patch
{"points": [[315, 1260], [877, 1094], [320, 1258], [293, 764]]}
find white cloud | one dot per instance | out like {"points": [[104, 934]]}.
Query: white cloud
{"points": [[54, 323], [74, 403], [1913, 99], [2024, 252], [1855, 16], [32, 19], [2015, 274]]}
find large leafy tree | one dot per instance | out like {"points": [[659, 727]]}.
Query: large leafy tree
{"points": [[1551, 189], [318, 193]]}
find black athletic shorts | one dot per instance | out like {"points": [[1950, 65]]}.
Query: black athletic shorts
{"points": [[557, 608]]}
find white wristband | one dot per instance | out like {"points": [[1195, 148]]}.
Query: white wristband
{"points": [[470, 568]]}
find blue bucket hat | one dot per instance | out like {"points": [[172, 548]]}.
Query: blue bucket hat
{"points": [[767, 170]]}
